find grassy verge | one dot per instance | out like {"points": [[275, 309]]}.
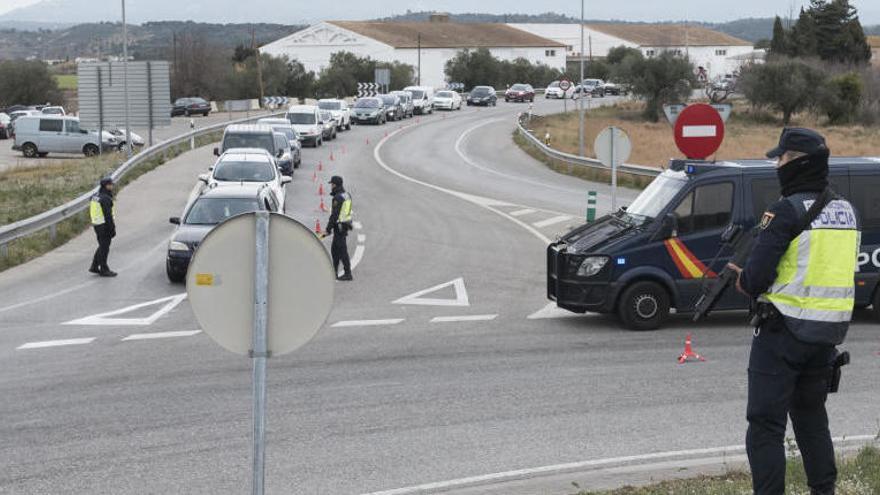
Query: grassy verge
{"points": [[748, 133], [66, 81], [858, 475], [25, 192]]}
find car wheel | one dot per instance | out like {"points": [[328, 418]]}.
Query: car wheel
{"points": [[173, 276], [643, 306], [90, 150], [29, 150]]}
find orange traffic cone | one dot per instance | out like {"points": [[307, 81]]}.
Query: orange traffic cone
{"points": [[322, 206], [321, 189], [331, 156], [314, 176], [689, 352], [367, 140], [318, 229], [320, 166]]}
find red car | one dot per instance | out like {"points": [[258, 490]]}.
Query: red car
{"points": [[520, 92]]}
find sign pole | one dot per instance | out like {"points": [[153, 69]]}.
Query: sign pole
{"points": [[613, 172], [260, 349], [124, 82]]}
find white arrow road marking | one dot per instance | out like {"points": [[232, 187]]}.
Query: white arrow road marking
{"points": [[55, 343], [519, 213], [105, 319], [695, 131], [552, 221], [366, 323], [461, 295], [452, 319], [161, 335], [552, 311]]}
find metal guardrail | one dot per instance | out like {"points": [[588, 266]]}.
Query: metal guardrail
{"points": [[578, 160], [49, 219]]}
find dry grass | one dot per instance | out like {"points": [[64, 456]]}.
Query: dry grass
{"points": [[748, 134]]}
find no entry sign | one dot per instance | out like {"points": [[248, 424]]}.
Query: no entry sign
{"points": [[699, 131]]}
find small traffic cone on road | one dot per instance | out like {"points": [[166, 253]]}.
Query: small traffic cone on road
{"points": [[318, 230], [321, 189], [689, 352], [323, 207], [314, 176], [331, 156], [367, 140], [320, 166]]}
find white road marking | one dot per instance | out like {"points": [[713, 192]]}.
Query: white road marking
{"points": [[523, 474], [55, 343], [461, 295], [161, 335], [519, 213], [104, 319], [366, 323], [357, 225], [362, 238], [358, 256], [552, 311], [451, 319], [695, 131], [552, 221]]}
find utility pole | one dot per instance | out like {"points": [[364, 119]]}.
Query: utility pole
{"points": [[174, 81], [124, 85], [259, 65], [581, 95], [419, 76]]}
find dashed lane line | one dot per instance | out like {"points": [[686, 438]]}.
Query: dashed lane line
{"points": [[366, 323], [55, 343], [161, 335], [519, 213], [452, 319], [552, 221]]}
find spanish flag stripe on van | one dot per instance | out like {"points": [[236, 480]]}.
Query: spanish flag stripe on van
{"points": [[686, 262]]}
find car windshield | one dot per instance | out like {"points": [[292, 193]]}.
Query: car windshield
{"points": [[417, 93], [519, 87], [249, 140], [301, 118], [657, 195], [289, 133], [480, 91], [329, 105], [554, 84], [389, 100], [211, 211], [443, 94], [244, 171], [591, 82], [367, 103], [198, 101]]}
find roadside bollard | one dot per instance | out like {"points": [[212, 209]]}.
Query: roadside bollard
{"points": [[591, 206], [192, 139], [547, 139]]}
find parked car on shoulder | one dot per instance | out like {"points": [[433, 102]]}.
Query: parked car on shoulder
{"points": [[393, 108], [448, 100], [285, 127], [482, 95], [204, 212], [190, 106], [520, 92], [406, 103], [119, 134], [340, 110], [306, 120], [39, 135], [369, 110], [329, 125]]}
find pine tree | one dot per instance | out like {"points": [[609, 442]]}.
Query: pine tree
{"points": [[778, 45], [839, 34], [804, 40]]}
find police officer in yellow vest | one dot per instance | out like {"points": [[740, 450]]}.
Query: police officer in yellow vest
{"points": [[801, 272], [339, 224], [103, 213]]}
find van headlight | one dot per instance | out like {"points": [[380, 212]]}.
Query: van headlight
{"points": [[177, 246], [592, 265]]}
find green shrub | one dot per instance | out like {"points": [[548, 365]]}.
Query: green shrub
{"points": [[839, 98]]}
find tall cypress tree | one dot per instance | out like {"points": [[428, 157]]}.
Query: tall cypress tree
{"points": [[804, 37], [839, 34], [778, 45]]}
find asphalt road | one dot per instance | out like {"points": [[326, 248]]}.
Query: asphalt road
{"points": [[389, 394], [179, 125]]}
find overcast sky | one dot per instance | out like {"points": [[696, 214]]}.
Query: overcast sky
{"points": [[287, 11]]}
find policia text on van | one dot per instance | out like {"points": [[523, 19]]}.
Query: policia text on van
{"points": [[652, 256]]}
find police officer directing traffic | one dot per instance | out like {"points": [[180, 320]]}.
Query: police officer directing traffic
{"points": [[339, 224], [102, 212], [801, 271]]}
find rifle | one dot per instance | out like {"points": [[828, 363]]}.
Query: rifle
{"points": [[741, 241]]}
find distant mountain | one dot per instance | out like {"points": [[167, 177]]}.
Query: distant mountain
{"points": [[34, 26], [152, 40]]}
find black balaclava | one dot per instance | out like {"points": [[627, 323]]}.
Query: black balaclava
{"points": [[805, 174]]}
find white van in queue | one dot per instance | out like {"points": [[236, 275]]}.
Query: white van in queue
{"points": [[423, 99], [306, 120]]}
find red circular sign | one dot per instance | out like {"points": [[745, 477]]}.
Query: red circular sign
{"points": [[565, 84], [699, 131]]}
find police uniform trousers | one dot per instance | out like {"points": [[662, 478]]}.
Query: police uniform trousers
{"points": [[339, 250], [788, 378], [99, 261]]}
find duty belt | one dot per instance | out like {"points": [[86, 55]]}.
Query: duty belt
{"points": [[764, 312]]}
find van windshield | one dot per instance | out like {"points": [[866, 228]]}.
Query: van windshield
{"points": [[301, 118], [249, 140], [329, 105], [657, 195]]}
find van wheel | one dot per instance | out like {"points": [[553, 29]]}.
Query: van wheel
{"points": [[90, 150], [29, 150], [643, 306]]}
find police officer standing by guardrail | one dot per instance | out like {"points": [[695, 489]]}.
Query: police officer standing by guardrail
{"points": [[339, 224], [103, 213], [801, 271]]}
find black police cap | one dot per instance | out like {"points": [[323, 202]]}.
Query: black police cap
{"points": [[798, 139], [336, 180]]}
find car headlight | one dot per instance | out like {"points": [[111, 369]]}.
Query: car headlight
{"points": [[592, 265], [177, 246]]}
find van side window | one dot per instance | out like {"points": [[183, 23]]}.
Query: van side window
{"points": [[866, 200], [705, 208], [765, 192], [51, 125]]}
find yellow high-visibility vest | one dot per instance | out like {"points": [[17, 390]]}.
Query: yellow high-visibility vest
{"points": [[815, 283], [96, 212], [345, 211]]}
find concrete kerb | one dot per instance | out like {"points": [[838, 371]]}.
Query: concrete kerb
{"points": [[660, 461]]}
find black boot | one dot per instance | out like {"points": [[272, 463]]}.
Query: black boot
{"points": [[107, 273], [346, 277], [94, 269]]}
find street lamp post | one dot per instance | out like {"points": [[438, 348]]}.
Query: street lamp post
{"points": [[581, 93], [124, 82]]}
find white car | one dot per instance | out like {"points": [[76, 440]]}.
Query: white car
{"points": [[447, 100], [119, 134], [247, 165], [306, 120], [55, 110], [340, 110], [554, 91]]}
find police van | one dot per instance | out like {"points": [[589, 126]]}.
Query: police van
{"points": [[654, 255]]}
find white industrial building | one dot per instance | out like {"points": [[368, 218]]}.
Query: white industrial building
{"points": [[433, 43], [716, 52]]}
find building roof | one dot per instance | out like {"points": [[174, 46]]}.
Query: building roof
{"points": [[445, 34], [668, 35]]}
